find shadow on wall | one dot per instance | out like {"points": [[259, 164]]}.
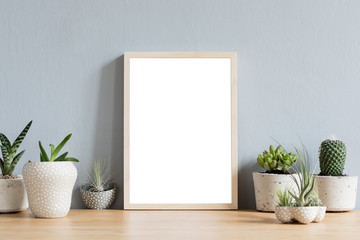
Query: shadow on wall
{"points": [[109, 126], [246, 193]]}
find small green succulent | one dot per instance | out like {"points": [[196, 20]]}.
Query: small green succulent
{"points": [[55, 151], [9, 157], [276, 159]]}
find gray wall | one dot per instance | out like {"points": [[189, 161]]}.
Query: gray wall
{"points": [[298, 71]]}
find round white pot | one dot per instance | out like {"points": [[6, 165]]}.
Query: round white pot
{"points": [[13, 195], [303, 215], [49, 187], [98, 200], [338, 193], [266, 185]]}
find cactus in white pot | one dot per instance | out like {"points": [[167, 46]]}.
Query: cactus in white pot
{"points": [[49, 183]]}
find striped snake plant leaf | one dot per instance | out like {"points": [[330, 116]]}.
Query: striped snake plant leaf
{"points": [[19, 139], [5, 142], [16, 159], [43, 156], [59, 147], [7, 161], [2, 165], [61, 157]]}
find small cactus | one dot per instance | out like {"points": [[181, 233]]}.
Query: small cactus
{"points": [[332, 156], [276, 159]]}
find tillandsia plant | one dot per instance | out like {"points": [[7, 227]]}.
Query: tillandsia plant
{"points": [[9, 157], [332, 156], [99, 177], [305, 181], [55, 151], [276, 160], [284, 198]]}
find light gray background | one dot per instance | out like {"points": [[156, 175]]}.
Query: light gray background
{"points": [[61, 65]]}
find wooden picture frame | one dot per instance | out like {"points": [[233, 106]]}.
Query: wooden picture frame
{"points": [[142, 71]]}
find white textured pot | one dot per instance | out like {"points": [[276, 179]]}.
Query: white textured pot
{"points": [[338, 193], [98, 200], [303, 215], [266, 185], [49, 187], [13, 195]]}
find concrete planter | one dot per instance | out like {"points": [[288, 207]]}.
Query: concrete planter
{"points": [[98, 200], [338, 193], [49, 186], [303, 215], [266, 185], [13, 195]]}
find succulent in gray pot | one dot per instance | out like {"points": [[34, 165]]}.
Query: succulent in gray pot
{"points": [[50, 182], [276, 162], [336, 190], [99, 191], [13, 196]]}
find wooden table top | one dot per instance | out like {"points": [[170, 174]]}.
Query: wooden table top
{"points": [[184, 225]]}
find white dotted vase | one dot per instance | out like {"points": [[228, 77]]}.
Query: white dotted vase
{"points": [[266, 185], [303, 215], [98, 200], [338, 193], [49, 186]]}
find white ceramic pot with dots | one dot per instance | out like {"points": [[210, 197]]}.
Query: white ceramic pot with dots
{"points": [[12, 194], [303, 215], [266, 185], [98, 200], [338, 193], [49, 186]]}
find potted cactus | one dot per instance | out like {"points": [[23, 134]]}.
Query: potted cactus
{"points": [[336, 190], [276, 162], [12, 189], [301, 204], [99, 191], [50, 182]]}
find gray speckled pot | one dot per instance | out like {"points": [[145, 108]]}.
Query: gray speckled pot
{"points": [[338, 193], [266, 185], [13, 195], [98, 200], [49, 187], [303, 215]]}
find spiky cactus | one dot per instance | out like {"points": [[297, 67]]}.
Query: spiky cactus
{"points": [[332, 155], [9, 157], [276, 159]]}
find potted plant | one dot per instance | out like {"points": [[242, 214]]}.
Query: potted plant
{"points": [[336, 190], [12, 189], [301, 204], [277, 163], [98, 192], [49, 183]]}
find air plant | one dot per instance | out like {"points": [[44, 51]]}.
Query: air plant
{"points": [[284, 198], [99, 177]]}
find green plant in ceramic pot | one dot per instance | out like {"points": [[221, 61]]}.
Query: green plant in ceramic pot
{"points": [[276, 162], [99, 191], [336, 189], [12, 189], [50, 182], [303, 204]]}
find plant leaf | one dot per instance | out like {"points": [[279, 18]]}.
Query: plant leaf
{"points": [[6, 156], [19, 139], [16, 159], [2, 165], [59, 147], [61, 157], [52, 148], [5, 142], [45, 157], [71, 159]]}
